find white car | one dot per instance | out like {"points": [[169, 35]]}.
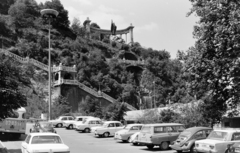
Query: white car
{"points": [[128, 130], [59, 121], [133, 138], [68, 124], [217, 141], [108, 129], [84, 118], [88, 123], [44, 142]]}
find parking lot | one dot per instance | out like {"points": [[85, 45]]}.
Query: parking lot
{"points": [[88, 143]]}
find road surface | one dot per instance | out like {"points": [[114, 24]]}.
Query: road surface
{"points": [[88, 143]]}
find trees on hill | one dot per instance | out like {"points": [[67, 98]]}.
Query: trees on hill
{"points": [[11, 79], [214, 63]]}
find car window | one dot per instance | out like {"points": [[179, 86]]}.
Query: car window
{"points": [[70, 118], [118, 124], [98, 122], [46, 139], [79, 119], [111, 125], [160, 129], [218, 135], [178, 128], [200, 135], [28, 139], [236, 136], [208, 132], [136, 128], [64, 118], [146, 129], [91, 122]]}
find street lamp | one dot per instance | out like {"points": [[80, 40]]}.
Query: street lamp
{"points": [[49, 14], [154, 94]]}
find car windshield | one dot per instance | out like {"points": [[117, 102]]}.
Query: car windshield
{"points": [[127, 127], [105, 124], [146, 129], [218, 135], [59, 118], [46, 139], [185, 134]]}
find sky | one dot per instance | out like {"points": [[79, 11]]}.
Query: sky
{"points": [[158, 24]]}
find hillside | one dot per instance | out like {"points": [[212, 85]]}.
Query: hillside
{"points": [[142, 77]]}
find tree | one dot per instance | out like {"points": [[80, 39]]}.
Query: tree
{"points": [[214, 61], [115, 111], [5, 5], [60, 106], [11, 78]]}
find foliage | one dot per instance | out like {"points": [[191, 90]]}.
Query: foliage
{"points": [[11, 78], [115, 112], [149, 116], [60, 106], [213, 63]]}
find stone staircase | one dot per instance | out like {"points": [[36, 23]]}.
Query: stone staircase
{"points": [[64, 81]]}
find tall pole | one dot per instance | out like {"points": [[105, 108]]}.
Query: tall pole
{"points": [[154, 94], [49, 71], [49, 14]]}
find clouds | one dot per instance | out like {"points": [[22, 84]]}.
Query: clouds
{"points": [[84, 2]]}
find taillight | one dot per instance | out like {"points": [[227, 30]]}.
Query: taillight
{"points": [[211, 146]]}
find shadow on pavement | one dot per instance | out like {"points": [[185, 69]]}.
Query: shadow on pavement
{"points": [[6, 137], [14, 151]]}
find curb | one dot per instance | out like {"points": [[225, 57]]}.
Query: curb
{"points": [[3, 149]]}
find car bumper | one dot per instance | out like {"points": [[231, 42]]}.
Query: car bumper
{"points": [[146, 143], [204, 150], [117, 137], [180, 148]]}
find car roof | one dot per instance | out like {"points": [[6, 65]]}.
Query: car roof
{"points": [[134, 124], [163, 124], [44, 133], [89, 119], [195, 129], [228, 130], [112, 122]]}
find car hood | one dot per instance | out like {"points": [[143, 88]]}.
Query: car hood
{"points": [[54, 120], [79, 123], [96, 127], [122, 132], [47, 147], [209, 141]]}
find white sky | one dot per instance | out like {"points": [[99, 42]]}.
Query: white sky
{"points": [[159, 24]]}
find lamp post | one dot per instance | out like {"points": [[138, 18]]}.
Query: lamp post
{"points": [[154, 94], [49, 14]]}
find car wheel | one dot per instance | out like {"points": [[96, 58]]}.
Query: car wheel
{"points": [[192, 149], [135, 143], [150, 146], [59, 125], [106, 134], [124, 141], [179, 151], [87, 130], [70, 126], [164, 145]]}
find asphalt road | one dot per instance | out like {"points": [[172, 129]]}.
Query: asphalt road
{"points": [[88, 143]]}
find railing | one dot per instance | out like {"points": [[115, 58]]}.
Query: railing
{"points": [[128, 61], [64, 81]]}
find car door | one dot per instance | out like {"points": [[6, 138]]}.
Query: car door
{"points": [[119, 126], [98, 123], [25, 144], [111, 128], [173, 133], [91, 124]]}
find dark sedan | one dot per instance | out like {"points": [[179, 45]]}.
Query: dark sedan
{"points": [[43, 126]]}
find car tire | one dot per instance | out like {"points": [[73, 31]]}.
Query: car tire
{"points": [[59, 125], [150, 146], [87, 130], [135, 143], [125, 141], [106, 134], [164, 145], [192, 149], [179, 151], [70, 126]]}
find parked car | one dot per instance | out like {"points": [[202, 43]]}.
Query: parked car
{"points": [[68, 124], [128, 130], [108, 129], [160, 135], [84, 118], [59, 121], [186, 139], [43, 126], [88, 123], [134, 138], [43, 142], [233, 148], [218, 141]]}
